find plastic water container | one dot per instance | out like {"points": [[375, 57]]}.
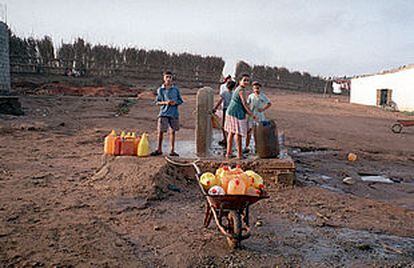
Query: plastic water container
{"points": [[136, 142], [229, 174], [117, 145], [216, 190], [256, 179], [252, 191], [208, 180], [109, 144], [266, 139], [128, 145], [222, 171], [236, 187], [143, 146], [224, 182]]}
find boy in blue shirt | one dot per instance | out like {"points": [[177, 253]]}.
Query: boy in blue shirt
{"points": [[168, 98]]}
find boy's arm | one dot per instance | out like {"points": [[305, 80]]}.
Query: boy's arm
{"points": [[266, 107], [160, 103], [178, 100], [268, 104]]}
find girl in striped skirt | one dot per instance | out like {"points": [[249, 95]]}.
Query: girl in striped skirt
{"points": [[236, 120]]}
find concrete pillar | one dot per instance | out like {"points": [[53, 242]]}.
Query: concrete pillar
{"points": [[4, 59], [203, 133]]}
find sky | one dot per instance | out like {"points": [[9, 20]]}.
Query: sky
{"points": [[322, 37]]}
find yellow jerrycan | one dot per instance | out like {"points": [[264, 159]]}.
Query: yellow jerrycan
{"points": [[143, 146]]}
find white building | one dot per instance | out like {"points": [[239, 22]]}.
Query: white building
{"points": [[393, 86]]}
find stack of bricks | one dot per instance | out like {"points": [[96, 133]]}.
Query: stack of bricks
{"points": [[4, 59]]}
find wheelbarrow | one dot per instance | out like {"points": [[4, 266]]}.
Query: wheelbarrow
{"points": [[397, 127], [230, 212]]}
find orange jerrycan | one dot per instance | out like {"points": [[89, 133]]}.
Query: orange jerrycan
{"points": [[128, 145], [109, 144], [143, 146], [236, 186], [118, 144], [228, 175]]}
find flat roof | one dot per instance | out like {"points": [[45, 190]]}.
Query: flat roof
{"points": [[395, 70]]}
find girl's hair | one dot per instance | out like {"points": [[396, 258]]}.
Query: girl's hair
{"points": [[231, 84]]}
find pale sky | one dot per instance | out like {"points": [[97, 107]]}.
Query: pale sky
{"points": [[325, 37]]}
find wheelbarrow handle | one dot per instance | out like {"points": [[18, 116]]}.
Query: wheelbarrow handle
{"points": [[193, 164], [197, 169]]}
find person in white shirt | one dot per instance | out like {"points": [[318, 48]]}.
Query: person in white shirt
{"points": [[224, 101], [258, 103], [223, 85], [223, 91]]}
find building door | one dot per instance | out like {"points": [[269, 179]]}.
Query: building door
{"points": [[384, 97]]}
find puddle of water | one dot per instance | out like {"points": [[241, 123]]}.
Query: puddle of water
{"points": [[330, 188], [309, 217], [378, 178], [324, 177], [316, 152], [382, 244]]}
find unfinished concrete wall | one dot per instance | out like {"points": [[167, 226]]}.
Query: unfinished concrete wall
{"points": [[282, 78], [4, 59]]}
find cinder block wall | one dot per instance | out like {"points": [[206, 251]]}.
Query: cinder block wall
{"points": [[4, 58]]}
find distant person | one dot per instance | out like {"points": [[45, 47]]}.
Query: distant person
{"points": [[236, 120], [223, 84], [258, 104], [168, 98], [224, 101]]}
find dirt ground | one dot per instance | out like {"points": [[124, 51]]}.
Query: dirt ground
{"points": [[63, 204]]}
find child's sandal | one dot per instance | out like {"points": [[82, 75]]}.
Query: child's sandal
{"points": [[156, 153]]}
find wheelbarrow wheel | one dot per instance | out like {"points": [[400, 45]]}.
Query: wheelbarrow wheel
{"points": [[235, 227], [396, 128]]}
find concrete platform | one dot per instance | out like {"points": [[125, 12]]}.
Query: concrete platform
{"points": [[275, 170]]}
